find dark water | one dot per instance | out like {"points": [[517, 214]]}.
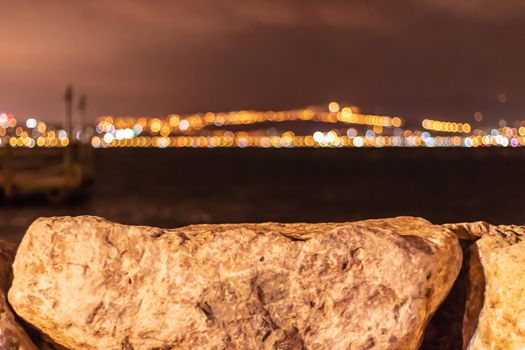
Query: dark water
{"points": [[169, 188]]}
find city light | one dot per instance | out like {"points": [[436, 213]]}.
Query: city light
{"points": [[437, 125], [263, 129], [35, 134]]}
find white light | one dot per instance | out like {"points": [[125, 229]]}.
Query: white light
{"points": [[164, 142], [318, 137], [358, 141], [429, 141], [3, 119], [108, 138], [128, 133], [119, 135], [351, 132], [62, 134], [184, 124], [31, 123], [397, 141]]}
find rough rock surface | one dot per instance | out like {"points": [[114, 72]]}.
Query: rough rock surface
{"points": [[92, 284], [12, 335], [495, 309]]}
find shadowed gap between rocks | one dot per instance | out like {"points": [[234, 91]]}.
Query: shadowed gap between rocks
{"points": [[446, 330]]}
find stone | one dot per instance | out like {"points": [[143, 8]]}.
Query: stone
{"points": [[7, 256], [475, 230], [12, 335], [92, 284], [494, 315]]}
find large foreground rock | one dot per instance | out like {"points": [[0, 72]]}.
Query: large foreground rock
{"points": [[92, 284], [495, 309], [12, 335]]}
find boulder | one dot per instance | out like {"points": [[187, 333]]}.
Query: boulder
{"points": [[7, 256], [12, 335], [92, 284], [494, 315]]}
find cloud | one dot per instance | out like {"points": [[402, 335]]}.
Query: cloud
{"points": [[481, 9], [162, 56]]}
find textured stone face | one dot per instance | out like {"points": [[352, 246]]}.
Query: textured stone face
{"points": [[12, 335], [92, 284], [495, 309]]}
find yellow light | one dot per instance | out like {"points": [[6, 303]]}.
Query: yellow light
{"points": [[165, 131], [95, 141], [396, 122], [174, 120], [41, 127], [333, 107], [155, 125], [347, 113]]}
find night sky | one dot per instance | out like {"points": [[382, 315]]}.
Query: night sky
{"points": [[441, 58]]}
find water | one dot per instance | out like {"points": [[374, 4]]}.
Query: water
{"points": [[170, 188]]}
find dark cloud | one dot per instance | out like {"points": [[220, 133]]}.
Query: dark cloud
{"points": [[413, 58]]}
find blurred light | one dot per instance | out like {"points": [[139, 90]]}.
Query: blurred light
{"points": [[333, 107], [351, 132], [3, 120], [347, 112], [478, 116], [211, 130], [358, 141], [155, 125], [108, 138], [31, 123], [318, 136], [184, 124]]}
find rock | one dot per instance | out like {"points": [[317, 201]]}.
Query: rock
{"points": [[7, 255], [12, 335], [92, 284], [495, 309], [475, 230]]}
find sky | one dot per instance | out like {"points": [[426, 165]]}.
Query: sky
{"points": [[445, 59]]}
